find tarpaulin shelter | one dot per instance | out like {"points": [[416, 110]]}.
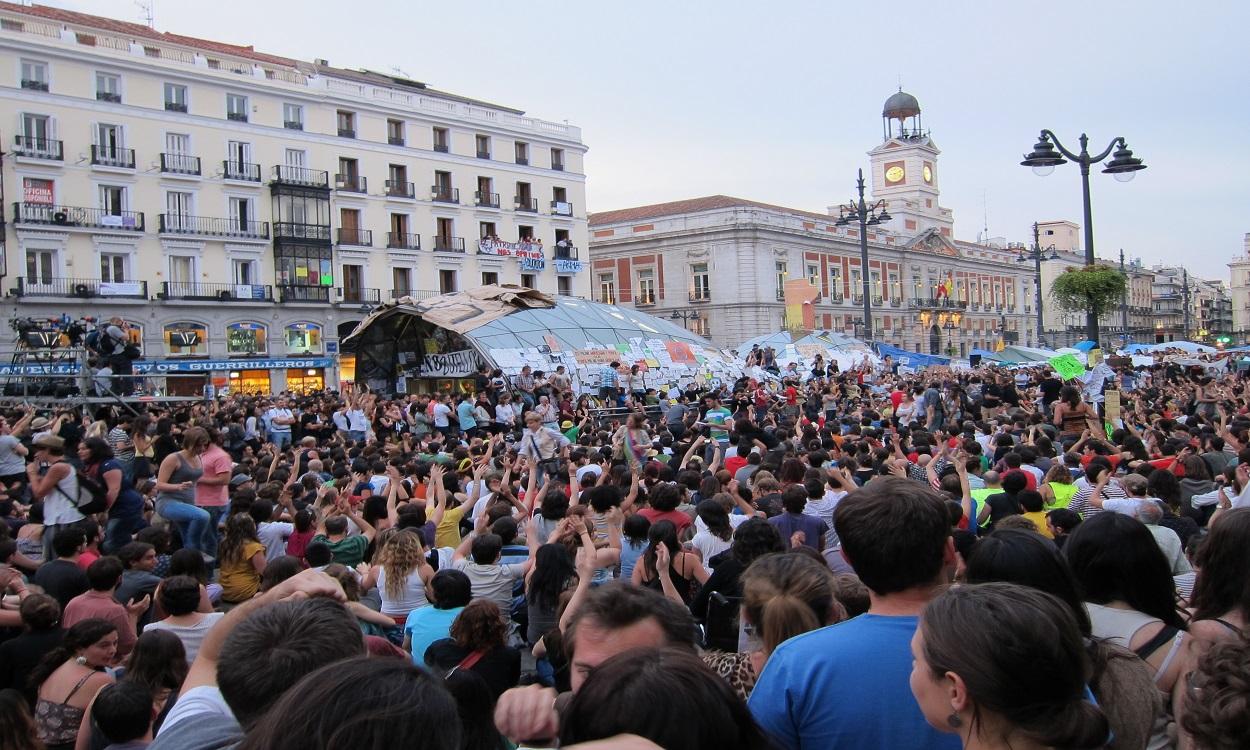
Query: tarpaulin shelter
{"points": [[443, 339], [910, 359]]}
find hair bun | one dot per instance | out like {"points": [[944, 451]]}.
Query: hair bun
{"points": [[1080, 725]]}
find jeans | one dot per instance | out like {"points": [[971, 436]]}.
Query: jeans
{"points": [[358, 436], [209, 540], [281, 439], [192, 522], [119, 531]]}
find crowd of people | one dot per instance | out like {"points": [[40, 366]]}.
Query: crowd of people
{"points": [[859, 559]]}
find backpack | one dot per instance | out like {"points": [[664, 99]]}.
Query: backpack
{"points": [[92, 494]]}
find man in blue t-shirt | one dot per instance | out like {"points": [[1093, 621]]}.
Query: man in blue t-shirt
{"points": [[847, 685]]}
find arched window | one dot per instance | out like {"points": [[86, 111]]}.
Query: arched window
{"points": [[304, 338], [244, 339], [185, 339]]}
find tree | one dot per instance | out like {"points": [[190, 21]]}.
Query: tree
{"points": [[1089, 289]]}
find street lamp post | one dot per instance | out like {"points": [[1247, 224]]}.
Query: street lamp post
{"points": [[1049, 153], [1037, 254], [867, 216], [684, 316]]}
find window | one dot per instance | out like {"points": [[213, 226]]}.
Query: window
{"points": [[244, 272], [348, 177], [34, 75], [108, 142], [874, 280], [353, 283], [442, 140], [178, 144], [40, 265], [443, 191], [557, 159], [399, 225], [304, 338], [444, 230], [185, 339], [813, 274], [246, 338], [446, 281], [295, 157], [782, 273], [646, 287], [857, 285], [293, 116], [108, 87], [181, 269], [238, 160], [401, 282], [896, 288], [835, 283], [524, 200], [113, 267], [524, 233], [236, 107], [177, 210], [175, 97], [483, 146], [395, 132], [564, 286], [522, 152], [36, 137], [560, 205], [397, 184], [113, 199], [486, 229], [700, 326], [700, 283], [529, 281], [242, 215], [489, 278], [347, 124], [607, 288], [486, 195]]}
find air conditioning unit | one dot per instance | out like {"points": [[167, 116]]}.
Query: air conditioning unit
{"points": [[82, 290], [224, 295]]}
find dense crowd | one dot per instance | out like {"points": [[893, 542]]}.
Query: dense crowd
{"points": [[818, 558]]}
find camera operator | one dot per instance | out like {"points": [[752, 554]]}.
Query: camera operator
{"points": [[114, 338]]}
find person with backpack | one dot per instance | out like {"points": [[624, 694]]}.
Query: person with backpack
{"points": [[113, 343], [55, 482]]}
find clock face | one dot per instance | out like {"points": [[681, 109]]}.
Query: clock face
{"points": [[894, 174], [928, 173]]}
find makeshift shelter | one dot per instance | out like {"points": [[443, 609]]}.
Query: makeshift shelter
{"points": [[412, 345], [1016, 355], [910, 359]]}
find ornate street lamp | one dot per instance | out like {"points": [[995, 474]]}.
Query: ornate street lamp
{"points": [[867, 215]]}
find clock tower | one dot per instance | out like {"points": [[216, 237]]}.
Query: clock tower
{"points": [[904, 171]]}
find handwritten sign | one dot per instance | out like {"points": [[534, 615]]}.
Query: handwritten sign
{"points": [[450, 365], [1067, 366], [596, 356]]}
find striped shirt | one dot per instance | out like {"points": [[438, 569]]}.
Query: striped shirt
{"points": [[1082, 505]]}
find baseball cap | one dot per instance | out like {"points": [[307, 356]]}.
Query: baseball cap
{"points": [[239, 479]]}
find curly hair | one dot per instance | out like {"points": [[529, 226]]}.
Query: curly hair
{"points": [[240, 529], [480, 626], [1217, 709], [401, 555]]}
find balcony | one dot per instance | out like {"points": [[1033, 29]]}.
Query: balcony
{"points": [[210, 226], [526, 204], [80, 288], [293, 124], [403, 241], [240, 170], [701, 295], [347, 133], [38, 148], [358, 295], [351, 183], [357, 237], [444, 194], [47, 214], [400, 189], [181, 164], [176, 107], [487, 200], [285, 174], [836, 298], [483, 154], [395, 140], [557, 166], [30, 85], [877, 301], [565, 252], [290, 230], [190, 290], [112, 156], [236, 116], [941, 303], [448, 244], [441, 148], [857, 299], [645, 299], [561, 208], [416, 294], [108, 96], [896, 301], [293, 293], [523, 161]]}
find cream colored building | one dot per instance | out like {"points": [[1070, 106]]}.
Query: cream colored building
{"points": [[721, 262], [260, 203], [1239, 293]]}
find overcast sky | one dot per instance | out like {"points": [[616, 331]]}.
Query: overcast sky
{"points": [[780, 101]]}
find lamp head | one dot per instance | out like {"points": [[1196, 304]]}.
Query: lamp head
{"points": [[1122, 165], [884, 216], [1044, 157]]}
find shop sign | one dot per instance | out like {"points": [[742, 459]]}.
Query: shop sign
{"points": [[568, 266], [161, 366], [459, 364]]}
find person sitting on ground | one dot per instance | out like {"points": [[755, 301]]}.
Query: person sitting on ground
{"points": [[100, 602], [180, 597], [124, 713], [479, 643]]}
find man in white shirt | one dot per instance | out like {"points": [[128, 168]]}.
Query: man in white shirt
{"points": [[279, 419], [442, 415]]}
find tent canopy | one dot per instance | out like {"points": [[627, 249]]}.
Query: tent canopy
{"points": [[1022, 354], [912, 359]]}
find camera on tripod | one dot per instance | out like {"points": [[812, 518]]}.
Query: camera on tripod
{"points": [[51, 333]]}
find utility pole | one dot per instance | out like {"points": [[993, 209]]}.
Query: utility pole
{"points": [[1185, 302]]}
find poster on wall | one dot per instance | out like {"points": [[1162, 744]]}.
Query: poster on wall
{"points": [[680, 352], [459, 364]]}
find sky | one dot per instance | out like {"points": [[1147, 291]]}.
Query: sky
{"points": [[780, 101]]}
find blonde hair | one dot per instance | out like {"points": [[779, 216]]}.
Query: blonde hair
{"points": [[786, 594], [764, 481], [401, 555]]}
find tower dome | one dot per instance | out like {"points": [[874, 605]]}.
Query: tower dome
{"points": [[900, 106]]}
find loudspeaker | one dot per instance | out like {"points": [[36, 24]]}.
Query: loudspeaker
{"points": [[974, 359]]}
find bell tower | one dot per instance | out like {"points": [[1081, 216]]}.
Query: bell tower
{"points": [[904, 170]]}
